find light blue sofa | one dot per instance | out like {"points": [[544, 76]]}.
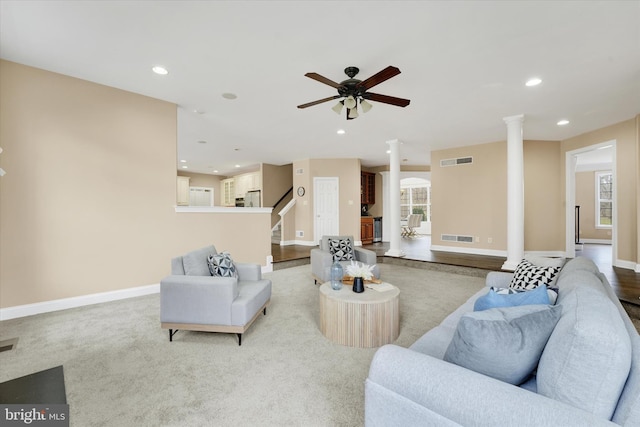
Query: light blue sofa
{"points": [[588, 374]]}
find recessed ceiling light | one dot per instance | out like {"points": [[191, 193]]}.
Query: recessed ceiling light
{"points": [[237, 166], [228, 95], [198, 111], [183, 161], [388, 151], [215, 171], [341, 132], [563, 122], [160, 70], [202, 141], [185, 167], [535, 81]]}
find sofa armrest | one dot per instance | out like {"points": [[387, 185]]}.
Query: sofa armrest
{"points": [[197, 299], [365, 256], [248, 271], [499, 279], [321, 264], [406, 385]]}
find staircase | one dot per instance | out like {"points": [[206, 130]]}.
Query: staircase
{"points": [[276, 234]]}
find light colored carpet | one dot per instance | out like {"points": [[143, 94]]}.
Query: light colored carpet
{"points": [[120, 368]]}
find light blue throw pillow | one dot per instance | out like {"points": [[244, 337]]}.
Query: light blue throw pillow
{"points": [[493, 299], [504, 343]]}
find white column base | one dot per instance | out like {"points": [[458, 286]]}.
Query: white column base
{"points": [[510, 265], [395, 253]]}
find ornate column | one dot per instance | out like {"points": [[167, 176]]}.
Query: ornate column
{"points": [[394, 200], [515, 192]]}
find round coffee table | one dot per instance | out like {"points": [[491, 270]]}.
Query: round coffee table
{"points": [[367, 319]]}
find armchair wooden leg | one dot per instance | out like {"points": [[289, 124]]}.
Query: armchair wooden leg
{"points": [[239, 339], [264, 311], [171, 334]]}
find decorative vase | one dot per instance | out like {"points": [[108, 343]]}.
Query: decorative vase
{"points": [[336, 276], [358, 284]]}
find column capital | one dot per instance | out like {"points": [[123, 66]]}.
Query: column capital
{"points": [[394, 142], [516, 118]]}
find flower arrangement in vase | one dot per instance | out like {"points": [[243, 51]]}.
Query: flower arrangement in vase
{"points": [[360, 272]]}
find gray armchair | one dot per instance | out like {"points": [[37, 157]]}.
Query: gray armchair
{"points": [[321, 258], [191, 299]]}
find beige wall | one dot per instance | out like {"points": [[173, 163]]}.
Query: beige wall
{"points": [[87, 204], [543, 200], [348, 173], [586, 199], [204, 180], [627, 144], [471, 199], [276, 181]]}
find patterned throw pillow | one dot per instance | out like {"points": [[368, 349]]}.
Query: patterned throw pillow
{"points": [[528, 276], [341, 249], [221, 265]]}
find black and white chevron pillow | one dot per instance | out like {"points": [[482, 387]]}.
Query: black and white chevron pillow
{"points": [[221, 265], [528, 276], [341, 249]]}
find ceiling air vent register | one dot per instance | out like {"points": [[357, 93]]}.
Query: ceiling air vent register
{"points": [[456, 162]]}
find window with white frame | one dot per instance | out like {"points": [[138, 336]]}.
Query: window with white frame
{"points": [[415, 198], [604, 199]]}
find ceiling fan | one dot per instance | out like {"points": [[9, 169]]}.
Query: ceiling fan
{"points": [[354, 91]]}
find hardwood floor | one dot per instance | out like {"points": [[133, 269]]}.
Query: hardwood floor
{"points": [[625, 283]]}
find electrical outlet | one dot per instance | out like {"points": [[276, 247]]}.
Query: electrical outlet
{"points": [[477, 239], [299, 233], [490, 240]]}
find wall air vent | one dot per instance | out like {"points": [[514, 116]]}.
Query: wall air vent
{"points": [[456, 162], [299, 171], [456, 238]]}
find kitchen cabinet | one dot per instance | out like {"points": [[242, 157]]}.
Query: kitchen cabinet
{"points": [[228, 192], [367, 188], [182, 191], [247, 182], [366, 230]]}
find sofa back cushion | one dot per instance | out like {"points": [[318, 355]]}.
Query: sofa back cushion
{"points": [[195, 262], [587, 359]]}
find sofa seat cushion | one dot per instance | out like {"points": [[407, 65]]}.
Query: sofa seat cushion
{"points": [[504, 343], [587, 359], [195, 262], [252, 295]]}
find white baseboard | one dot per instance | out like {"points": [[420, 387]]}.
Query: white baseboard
{"points": [[474, 251], [596, 241], [627, 264], [547, 254], [73, 302], [304, 243], [269, 267]]}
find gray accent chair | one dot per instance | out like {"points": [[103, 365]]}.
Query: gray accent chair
{"points": [[321, 259], [191, 299]]}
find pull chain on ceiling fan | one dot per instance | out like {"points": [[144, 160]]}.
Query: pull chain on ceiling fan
{"points": [[353, 91]]}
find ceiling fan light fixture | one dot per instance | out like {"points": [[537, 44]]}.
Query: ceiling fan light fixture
{"points": [[350, 102], [366, 106], [338, 107], [353, 113]]}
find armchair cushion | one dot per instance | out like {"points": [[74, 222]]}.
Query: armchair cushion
{"points": [[195, 262], [341, 249], [221, 265]]}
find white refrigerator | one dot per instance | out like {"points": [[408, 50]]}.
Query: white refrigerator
{"points": [[252, 199]]}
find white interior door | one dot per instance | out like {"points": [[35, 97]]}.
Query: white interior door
{"points": [[325, 206]]}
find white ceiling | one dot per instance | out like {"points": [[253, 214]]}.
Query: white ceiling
{"points": [[464, 65]]}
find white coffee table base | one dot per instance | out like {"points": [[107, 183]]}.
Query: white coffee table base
{"points": [[367, 319]]}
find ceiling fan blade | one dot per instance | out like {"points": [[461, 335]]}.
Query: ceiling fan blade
{"points": [[379, 77], [319, 101], [399, 102], [322, 79]]}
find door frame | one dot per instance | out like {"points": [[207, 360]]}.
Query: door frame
{"points": [[570, 199]]}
